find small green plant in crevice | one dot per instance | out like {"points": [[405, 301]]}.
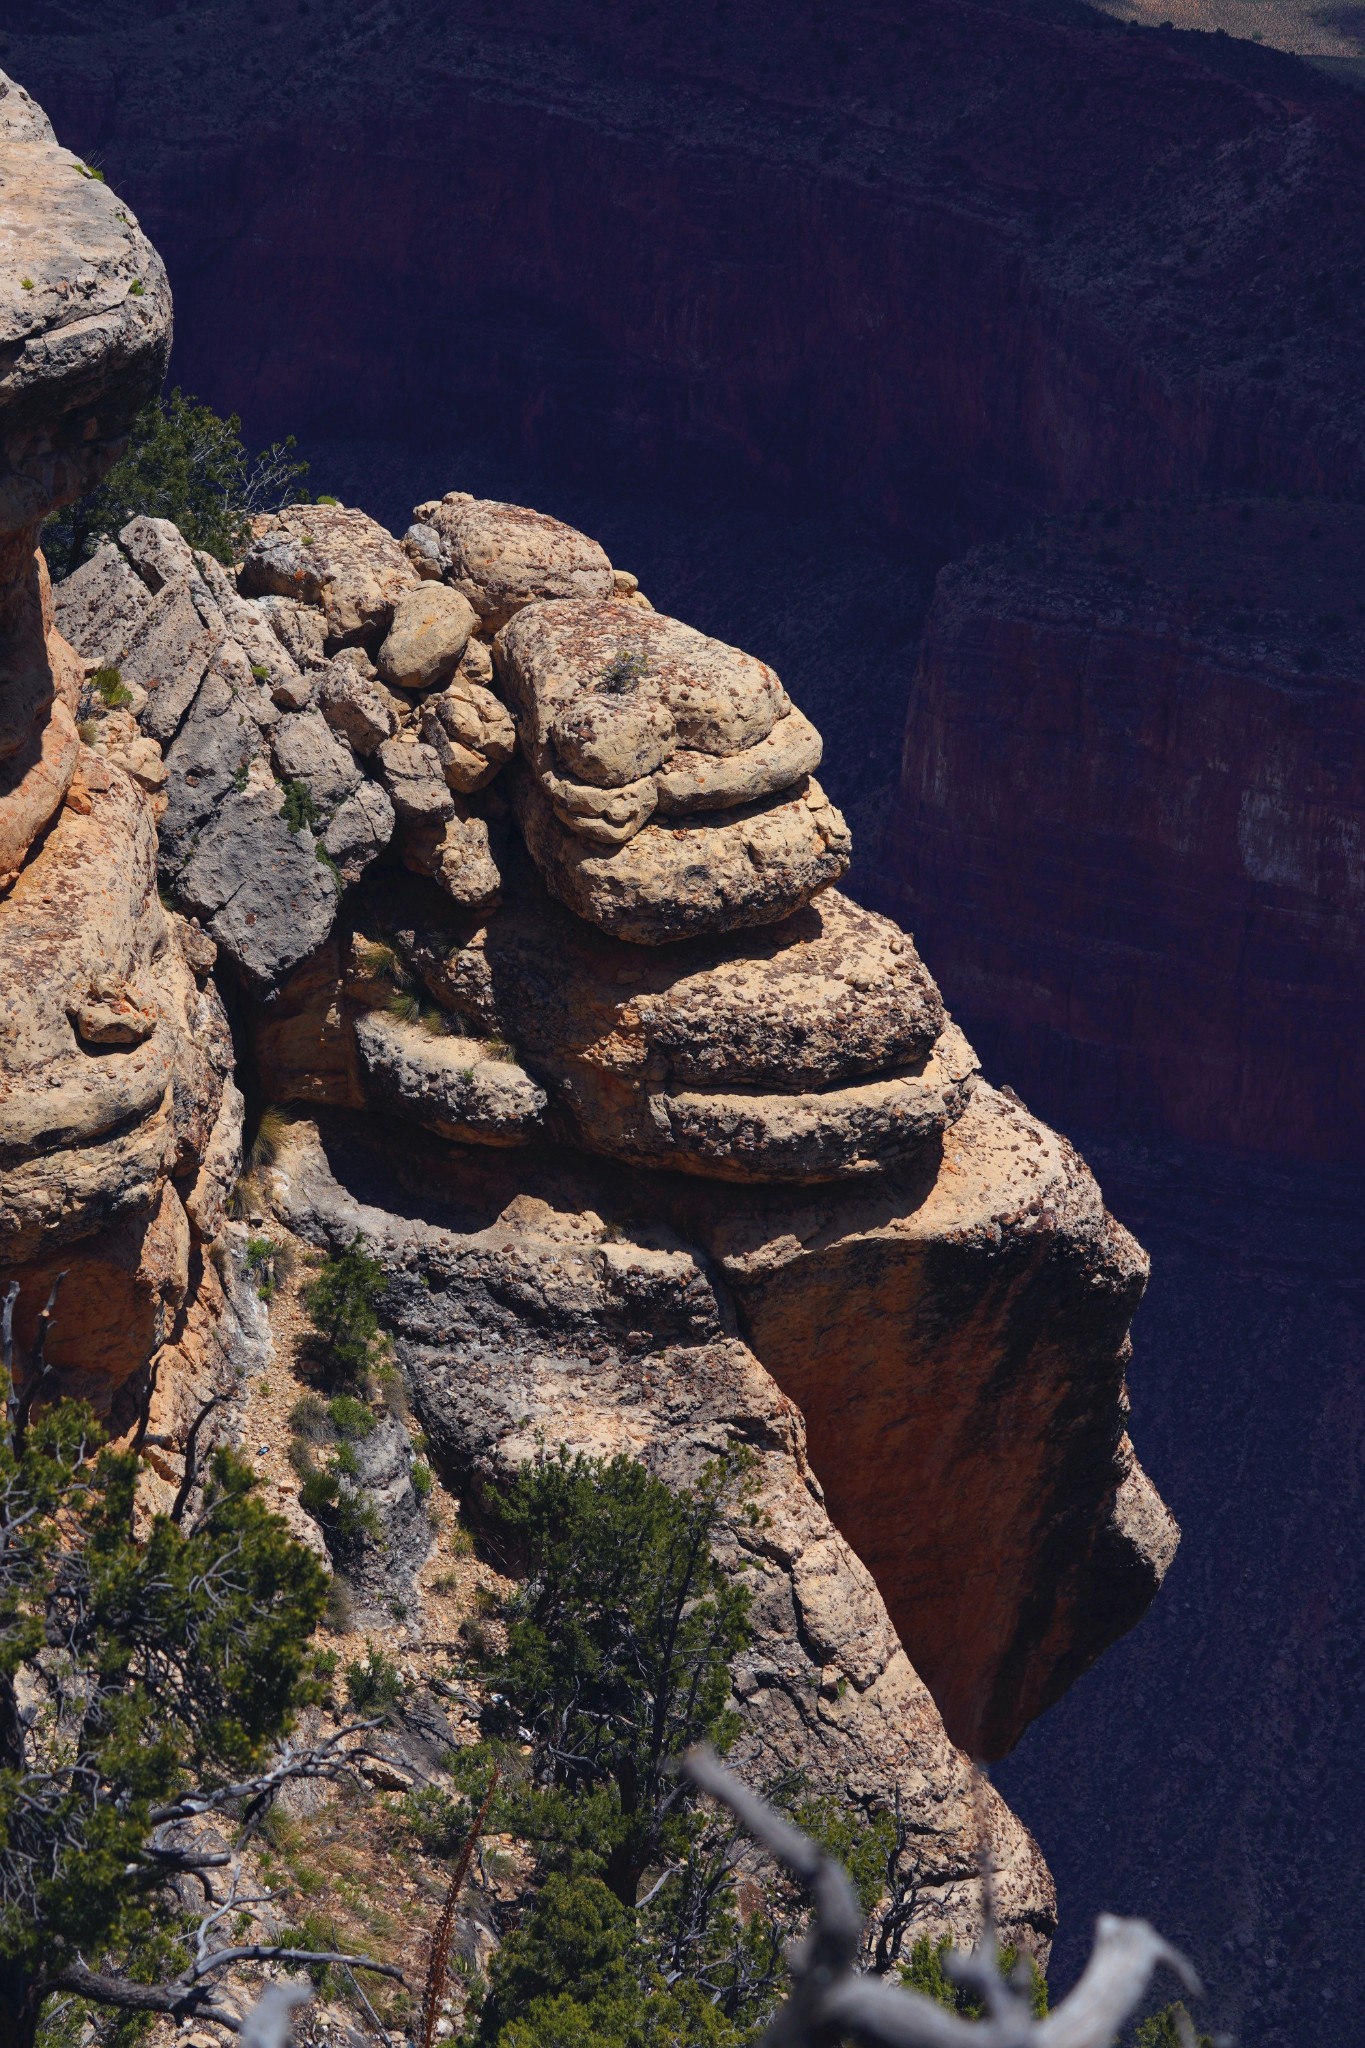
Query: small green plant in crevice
{"points": [[88, 731], [404, 1006], [260, 671], [323, 498], [350, 1418], [110, 687], [298, 810], [26, 284], [422, 1480], [91, 171], [342, 1306], [239, 776], [435, 1023], [500, 1049], [373, 1683], [136, 289], [622, 674], [380, 963], [271, 1131], [267, 1263], [325, 860]]}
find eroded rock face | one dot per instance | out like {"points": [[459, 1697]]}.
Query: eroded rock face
{"points": [[119, 1123], [529, 1306], [723, 871]]}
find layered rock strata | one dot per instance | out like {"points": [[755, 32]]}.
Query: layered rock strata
{"points": [[1131, 813], [119, 1120]]}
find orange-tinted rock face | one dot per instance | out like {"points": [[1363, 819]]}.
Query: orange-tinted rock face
{"points": [[957, 1346], [1131, 812]]}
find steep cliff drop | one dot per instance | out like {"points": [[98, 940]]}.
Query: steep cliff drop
{"points": [[118, 1114]]}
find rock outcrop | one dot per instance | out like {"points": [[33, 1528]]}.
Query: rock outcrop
{"points": [[1131, 813], [531, 1305], [119, 1119], [704, 1003]]}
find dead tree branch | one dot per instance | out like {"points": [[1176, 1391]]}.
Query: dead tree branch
{"points": [[830, 2001]]}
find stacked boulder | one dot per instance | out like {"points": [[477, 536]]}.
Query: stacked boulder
{"points": [[659, 968]]}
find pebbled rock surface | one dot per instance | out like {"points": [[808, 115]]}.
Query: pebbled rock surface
{"points": [[335, 558], [534, 1303], [501, 557], [621, 713]]}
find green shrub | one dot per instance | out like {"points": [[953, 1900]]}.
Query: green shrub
{"points": [[185, 463], [350, 1418], [342, 1306], [422, 1481], [925, 1973], [373, 1684], [298, 810], [622, 674], [228, 1604], [110, 686]]}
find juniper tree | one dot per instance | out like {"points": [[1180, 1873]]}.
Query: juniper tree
{"points": [[146, 1684]]}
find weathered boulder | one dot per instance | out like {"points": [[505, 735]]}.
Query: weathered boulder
{"points": [[471, 733], [719, 871], [334, 558], [502, 557], [71, 382], [622, 712], [457, 1087], [355, 703], [258, 888], [530, 1305], [304, 750], [358, 830], [430, 631]]}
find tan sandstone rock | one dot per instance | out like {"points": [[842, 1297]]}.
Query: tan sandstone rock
{"points": [[504, 556], [430, 631], [718, 871], [620, 712], [335, 558]]}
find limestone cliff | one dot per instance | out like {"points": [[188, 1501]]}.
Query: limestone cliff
{"points": [[118, 1115]]}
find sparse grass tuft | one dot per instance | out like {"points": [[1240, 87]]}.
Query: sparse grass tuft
{"points": [[404, 1006], [110, 686], [271, 1133]]}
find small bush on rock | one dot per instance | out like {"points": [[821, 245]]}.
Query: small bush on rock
{"points": [[342, 1306], [186, 463]]}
